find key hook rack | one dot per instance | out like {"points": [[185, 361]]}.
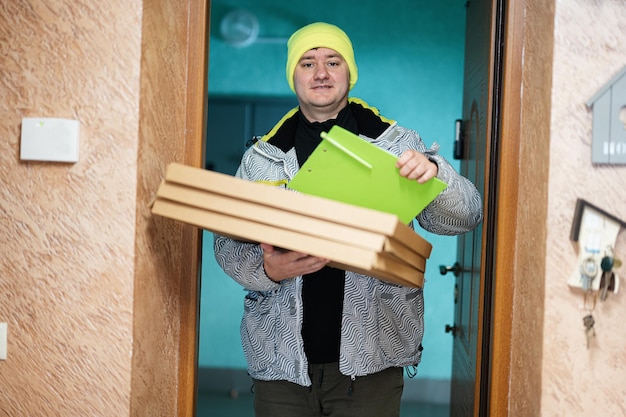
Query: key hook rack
{"points": [[595, 231]]}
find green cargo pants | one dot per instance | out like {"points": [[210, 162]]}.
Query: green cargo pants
{"points": [[331, 394]]}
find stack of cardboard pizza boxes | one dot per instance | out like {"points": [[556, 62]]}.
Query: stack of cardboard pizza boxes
{"points": [[353, 238]]}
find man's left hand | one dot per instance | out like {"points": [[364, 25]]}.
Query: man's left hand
{"points": [[416, 166]]}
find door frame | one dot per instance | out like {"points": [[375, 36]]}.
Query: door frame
{"points": [[521, 199], [197, 67], [520, 238]]}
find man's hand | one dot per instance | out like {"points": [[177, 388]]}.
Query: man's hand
{"points": [[416, 166], [280, 265]]}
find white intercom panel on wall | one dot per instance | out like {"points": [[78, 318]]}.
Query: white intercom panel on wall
{"points": [[49, 139]]}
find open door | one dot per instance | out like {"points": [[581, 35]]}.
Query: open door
{"points": [[473, 274]]}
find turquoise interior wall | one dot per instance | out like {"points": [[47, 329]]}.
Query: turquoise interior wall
{"points": [[410, 59]]}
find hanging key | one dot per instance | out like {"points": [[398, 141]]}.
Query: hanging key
{"points": [[607, 284], [607, 276], [590, 332]]}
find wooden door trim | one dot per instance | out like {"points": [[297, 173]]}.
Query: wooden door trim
{"points": [[196, 103], [486, 310], [515, 378]]}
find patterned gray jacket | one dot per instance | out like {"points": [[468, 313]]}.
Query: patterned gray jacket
{"points": [[382, 324]]}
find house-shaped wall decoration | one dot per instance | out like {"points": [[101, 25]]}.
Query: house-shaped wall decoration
{"points": [[608, 145]]}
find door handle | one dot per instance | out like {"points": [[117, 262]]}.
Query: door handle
{"points": [[455, 269], [451, 329], [458, 140]]}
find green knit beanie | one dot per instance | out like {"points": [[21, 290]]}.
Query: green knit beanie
{"points": [[320, 35]]}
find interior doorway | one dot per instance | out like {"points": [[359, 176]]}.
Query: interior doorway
{"points": [[432, 86], [528, 34]]}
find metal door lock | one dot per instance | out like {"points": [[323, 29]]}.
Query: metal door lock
{"points": [[455, 269]]}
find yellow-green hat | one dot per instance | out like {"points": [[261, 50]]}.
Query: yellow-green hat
{"points": [[320, 35]]}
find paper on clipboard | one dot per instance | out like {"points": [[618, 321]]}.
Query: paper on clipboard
{"points": [[346, 168]]}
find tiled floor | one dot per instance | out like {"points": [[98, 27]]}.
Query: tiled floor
{"points": [[213, 405]]}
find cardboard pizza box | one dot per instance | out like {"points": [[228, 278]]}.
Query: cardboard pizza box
{"points": [[313, 206], [301, 223], [352, 238]]}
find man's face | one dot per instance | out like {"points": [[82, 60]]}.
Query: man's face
{"points": [[321, 80]]}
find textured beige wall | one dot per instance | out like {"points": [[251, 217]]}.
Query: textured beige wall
{"points": [[67, 231], [68, 270], [589, 49]]}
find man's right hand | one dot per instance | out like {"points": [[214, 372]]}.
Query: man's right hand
{"points": [[280, 265]]}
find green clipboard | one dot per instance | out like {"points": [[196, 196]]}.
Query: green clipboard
{"points": [[346, 168]]}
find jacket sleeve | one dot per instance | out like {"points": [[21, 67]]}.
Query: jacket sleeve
{"points": [[243, 261], [458, 209]]}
